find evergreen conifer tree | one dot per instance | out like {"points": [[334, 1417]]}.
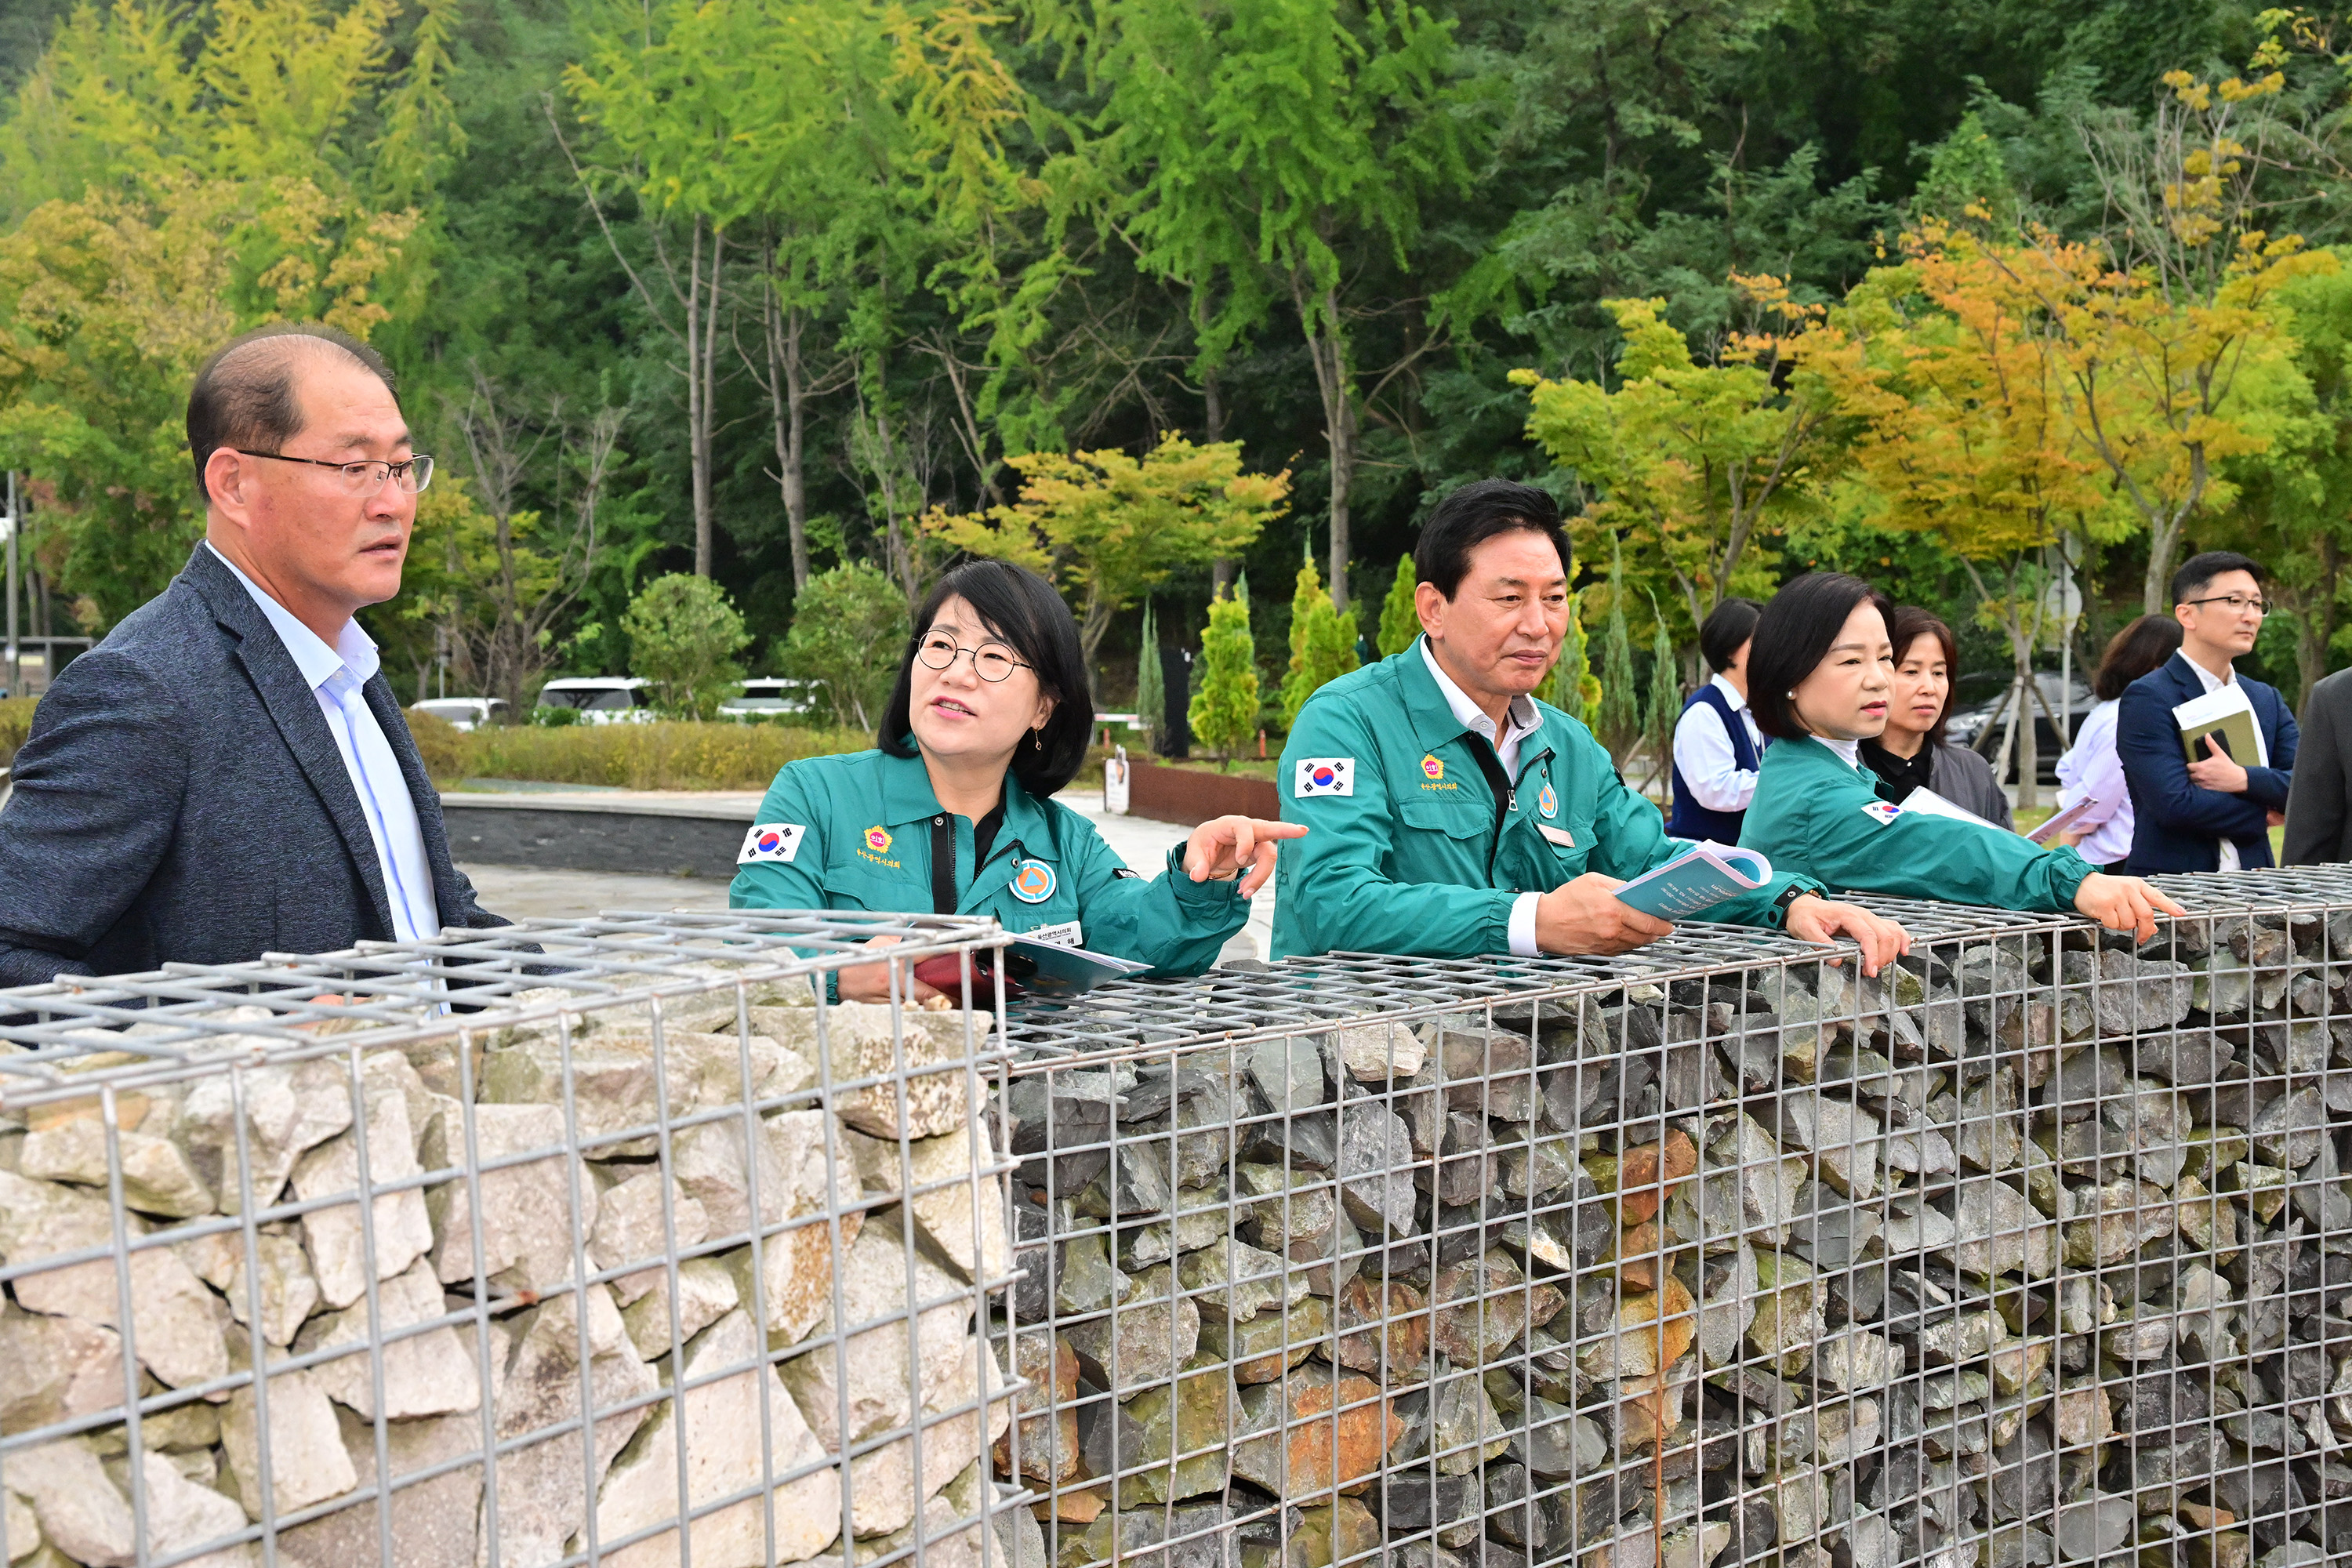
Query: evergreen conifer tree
{"points": [[1322, 644], [1619, 726], [1665, 697], [1151, 683], [1224, 704], [1572, 689], [1399, 622]]}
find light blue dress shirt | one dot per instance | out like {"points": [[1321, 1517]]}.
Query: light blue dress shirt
{"points": [[335, 676]]}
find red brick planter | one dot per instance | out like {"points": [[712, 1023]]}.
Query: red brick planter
{"points": [[1191, 797]]}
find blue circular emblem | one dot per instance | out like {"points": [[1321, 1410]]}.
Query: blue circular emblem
{"points": [[1547, 802], [1032, 881]]}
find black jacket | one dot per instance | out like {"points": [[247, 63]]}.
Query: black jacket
{"points": [[181, 799], [2319, 802]]}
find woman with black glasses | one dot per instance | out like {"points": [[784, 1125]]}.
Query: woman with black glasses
{"points": [[954, 814]]}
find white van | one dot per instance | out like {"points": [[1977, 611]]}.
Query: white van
{"points": [[602, 698], [768, 696], [464, 712]]}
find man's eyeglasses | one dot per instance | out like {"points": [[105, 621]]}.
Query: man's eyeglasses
{"points": [[2238, 604], [365, 477], [991, 661]]}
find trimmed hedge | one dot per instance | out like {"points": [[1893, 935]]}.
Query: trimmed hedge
{"points": [[666, 755], [16, 724]]}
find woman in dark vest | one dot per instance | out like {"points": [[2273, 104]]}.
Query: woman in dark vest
{"points": [[1716, 744], [1911, 752]]}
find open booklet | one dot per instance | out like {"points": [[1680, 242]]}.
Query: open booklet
{"points": [[2226, 715], [1034, 966], [1701, 880]]}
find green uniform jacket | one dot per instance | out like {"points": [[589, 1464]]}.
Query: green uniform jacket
{"points": [[856, 833], [1402, 854], [1813, 814]]}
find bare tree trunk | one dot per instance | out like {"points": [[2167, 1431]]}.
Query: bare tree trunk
{"points": [[701, 356], [1329, 349], [787, 378], [1213, 401], [696, 336]]}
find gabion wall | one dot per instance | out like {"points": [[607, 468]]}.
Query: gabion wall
{"points": [[2031, 1250], [489, 1199]]}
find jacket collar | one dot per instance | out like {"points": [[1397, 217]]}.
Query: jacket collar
{"points": [[908, 797], [293, 707], [1434, 720]]}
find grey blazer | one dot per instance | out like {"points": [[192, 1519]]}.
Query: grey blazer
{"points": [[181, 798], [1966, 779], [2319, 801]]}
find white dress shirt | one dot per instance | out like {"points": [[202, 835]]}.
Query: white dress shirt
{"points": [[1703, 751], [1523, 720], [2212, 683], [2091, 770], [335, 676]]}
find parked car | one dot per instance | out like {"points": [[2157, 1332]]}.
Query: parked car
{"points": [[1980, 726], [602, 698], [465, 712], [773, 696]]}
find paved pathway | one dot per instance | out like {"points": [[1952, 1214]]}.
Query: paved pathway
{"points": [[527, 892]]}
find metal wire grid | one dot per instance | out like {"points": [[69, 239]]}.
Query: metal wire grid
{"points": [[2024, 1296], [797, 1392], [1306, 993]]}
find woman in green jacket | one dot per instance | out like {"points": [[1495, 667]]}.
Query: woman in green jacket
{"points": [[954, 814], [1819, 681]]}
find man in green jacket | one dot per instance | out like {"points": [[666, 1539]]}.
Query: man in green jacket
{"points": [[1453, 814]]}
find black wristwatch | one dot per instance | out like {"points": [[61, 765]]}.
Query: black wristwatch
{"points": [[1788, 895]]}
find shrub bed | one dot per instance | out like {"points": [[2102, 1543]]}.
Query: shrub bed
{"points": [[670, 755]]}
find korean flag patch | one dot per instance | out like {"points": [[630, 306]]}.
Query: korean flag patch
{"points": [[1325, 775], [777, 841], [1883, 811]]}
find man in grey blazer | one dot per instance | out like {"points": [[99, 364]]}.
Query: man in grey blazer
{"points": [[2319, 803], [228, 773]]}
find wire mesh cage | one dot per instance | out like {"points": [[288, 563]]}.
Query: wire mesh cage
{"points": [[601, 1241], [2034, 1249]]}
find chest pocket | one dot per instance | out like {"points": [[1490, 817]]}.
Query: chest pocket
{"points": [[1454, 818], [859, 883]]}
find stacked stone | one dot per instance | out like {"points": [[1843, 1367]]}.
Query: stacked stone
{"points": [[872, 1207], [2031, 1250]]}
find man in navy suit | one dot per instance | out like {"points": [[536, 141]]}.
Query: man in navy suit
{"points": [[228, 773], [2216, 812]]}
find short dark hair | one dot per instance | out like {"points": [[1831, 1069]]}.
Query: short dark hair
{"points": [[2135, 651], [1023, 609], [1794, 635], [1475, 513], [1727, 625], [2207, 565], [243, 394], [1910, 624]]}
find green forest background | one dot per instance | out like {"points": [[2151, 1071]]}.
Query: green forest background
{"points": [[1159, 293]]}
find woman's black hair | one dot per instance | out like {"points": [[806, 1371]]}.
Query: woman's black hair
{"points": [[1022, 610], [2135, 651], [1727, 626], [1794, 634]]}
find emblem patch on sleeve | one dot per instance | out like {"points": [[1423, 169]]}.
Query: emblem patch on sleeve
{"points": [[777, 841], [1325, 775], [1883, 811]]}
